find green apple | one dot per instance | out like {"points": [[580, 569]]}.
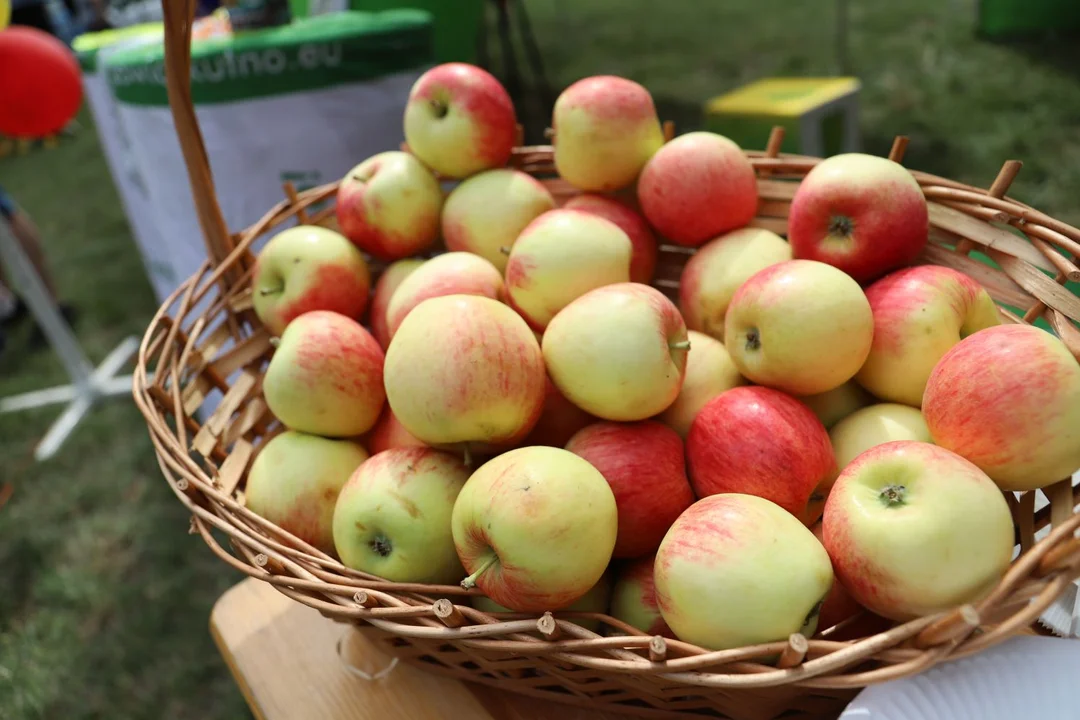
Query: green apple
{"points": [[295, 480], [633, 599], [486, 213], [535, 528], [392, 518], [709, 372], [800, 326], [875, 425], [559, 257], [308, 268], [834, 405], [737, 570]]}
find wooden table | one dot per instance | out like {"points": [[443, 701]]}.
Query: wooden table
{"points": [[284, 656]]}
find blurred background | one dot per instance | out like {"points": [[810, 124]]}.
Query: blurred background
{"points": [[104, 598]]}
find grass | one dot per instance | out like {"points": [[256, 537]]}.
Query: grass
{"points": [[104, 598]]}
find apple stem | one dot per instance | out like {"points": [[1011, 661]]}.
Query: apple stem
{"points": [[275, 341], [841, 226], [893, 495], [270, 291], [504, 250], [753, 339], [681, 345], [470, 582], [468, 455]]}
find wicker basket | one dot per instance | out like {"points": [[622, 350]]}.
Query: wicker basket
{"points": [[206, 342]]}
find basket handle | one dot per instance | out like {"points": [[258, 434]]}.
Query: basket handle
{"points": [[179, 16]]}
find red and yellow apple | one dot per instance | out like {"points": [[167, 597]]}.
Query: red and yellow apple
{"points": [[863, 214], [618, 352], [389, 205], [875, 425], [633, 599], [326, 376], [644, 248], [799, 326], [452, 273], [709, 372], [308, 268], [387, 283], [559, 257], [1008, 399], [606, 129], [914, 529], [460, 120], [696, 187], [737, 570], [388, 434], [645, 465], [919, 313], [465, 371], [838, 605], [295, 480], [534, 528], [559, 419]]}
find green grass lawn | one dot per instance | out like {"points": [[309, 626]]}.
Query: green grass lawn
{"points": [[104, 598]]}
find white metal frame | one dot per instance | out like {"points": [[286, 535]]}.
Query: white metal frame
{"points": [[88, 385]]}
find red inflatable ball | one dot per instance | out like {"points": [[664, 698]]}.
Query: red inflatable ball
{"points": [[40, 84]]}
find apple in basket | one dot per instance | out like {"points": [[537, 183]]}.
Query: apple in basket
{"points": [[737, 570], [308, 268], [465, 371], [709, 372], [834, 405], [633, 599], [696, 187], [385, 286], [719, 268], [486, 213], [459, 120], [642, 239], [295, 480], [645, 465], [326, 376], [389, 205], [876, 425], [1008, 399], [606, 129], [595, 600], [392, 518], [534, 528], [452, 273], [914, 529], [919, 313], [559, 419], [559, 257], [760, 441], [863, 214], [799, 326], [618, 352], [389, 433]]}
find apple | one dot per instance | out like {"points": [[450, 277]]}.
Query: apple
{"points": [[392, 518], [465, 371], [460, 120], [294, 482], [559, 419], [387, 283], [452, 273], [838, 605], [800, 326], [486, 213], [645, 465], [535, 528], [876, 425], [719, 268], [759, 441], [863, 214], [709, 372], [633, 600], [737, 570], [834, 405], [914, 529], [389, 206], [696, 187], [559, 257], [389, 433], [308, 268], [606, 129], [618, 352], [595, 600], [644, 248], [919, 313], [1007, 398], [326, 376]]}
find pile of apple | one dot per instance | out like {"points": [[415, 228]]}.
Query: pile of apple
{"points": [[820, 428]]}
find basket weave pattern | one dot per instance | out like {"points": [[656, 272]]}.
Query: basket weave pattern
{"points": [[206, 343]]}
